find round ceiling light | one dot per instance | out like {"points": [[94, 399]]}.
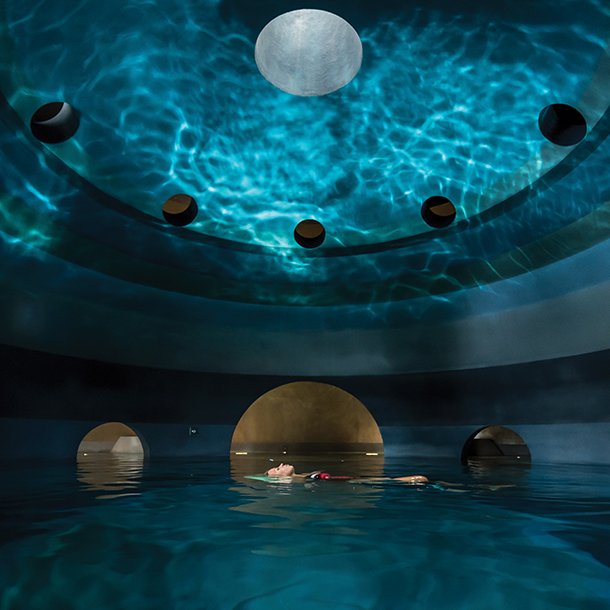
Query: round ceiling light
{"points": [[308, 52]]}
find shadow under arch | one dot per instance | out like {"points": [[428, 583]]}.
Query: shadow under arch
{"points": [[306, 417], [495, 445]]}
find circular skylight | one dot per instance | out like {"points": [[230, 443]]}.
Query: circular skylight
{"points": [[308, 52]]}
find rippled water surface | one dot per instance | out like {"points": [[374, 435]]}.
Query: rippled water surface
{"points": [[197, 534], [446, 102]]}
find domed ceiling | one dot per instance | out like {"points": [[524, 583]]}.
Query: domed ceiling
{"points": [[170, 101]]}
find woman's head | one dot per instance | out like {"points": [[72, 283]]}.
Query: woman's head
{"points": [[283, 470]]}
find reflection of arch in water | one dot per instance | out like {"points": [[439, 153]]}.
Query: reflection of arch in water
{"points": [[496, 443], [114, 438], [111, 458], [307, 417]]}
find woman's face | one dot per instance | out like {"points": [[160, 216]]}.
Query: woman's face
{"points": [[283, 470]]}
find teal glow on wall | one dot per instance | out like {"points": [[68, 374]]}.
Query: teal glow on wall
{"points": [[170, 101]]}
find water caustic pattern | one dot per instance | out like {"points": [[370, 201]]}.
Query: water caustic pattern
{"points": [[187, 535], [446, 102]]}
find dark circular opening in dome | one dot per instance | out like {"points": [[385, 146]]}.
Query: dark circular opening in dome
{"points": [[180, 210], [309, 234], [438, 212], [54, 123], [562, 124]]}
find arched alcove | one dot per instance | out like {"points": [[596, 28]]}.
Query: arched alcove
{"points": [[112, 437], [496, 444], [304, 418], [111, 458]]}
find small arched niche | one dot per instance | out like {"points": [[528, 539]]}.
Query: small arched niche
{"points": [[113, 438], [496, 444], [305, 418]]}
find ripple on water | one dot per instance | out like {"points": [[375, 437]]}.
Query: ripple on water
{"points": [[196, 538]]}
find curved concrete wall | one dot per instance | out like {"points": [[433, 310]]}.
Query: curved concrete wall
{"points": [[561, 403]]}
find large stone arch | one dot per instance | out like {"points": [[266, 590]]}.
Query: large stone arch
{"points": [[307, 417]]}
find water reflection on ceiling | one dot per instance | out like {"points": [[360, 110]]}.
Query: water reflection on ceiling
{"points": [[446, 103]]}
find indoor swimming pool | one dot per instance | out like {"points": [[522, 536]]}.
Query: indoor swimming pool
{"points": [[196, 534], [197, 259]]}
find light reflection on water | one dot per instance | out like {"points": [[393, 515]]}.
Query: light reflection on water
{"points": [[444, 103], [110, 472], [199, 536]]}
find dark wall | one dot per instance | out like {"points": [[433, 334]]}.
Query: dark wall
{"points": [[35, 439], [36, 385]]}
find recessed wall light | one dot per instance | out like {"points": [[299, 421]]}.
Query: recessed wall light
{"points": [[180, 210], [54, 122], [309, 233], [438, 212]]}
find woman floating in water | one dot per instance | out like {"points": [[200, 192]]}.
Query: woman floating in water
{"points": [[287, 471]]}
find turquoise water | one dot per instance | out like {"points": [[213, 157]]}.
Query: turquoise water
{"points": [[195, 534]]}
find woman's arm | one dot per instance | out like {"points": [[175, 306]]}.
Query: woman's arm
{"points": [[413, 479]]}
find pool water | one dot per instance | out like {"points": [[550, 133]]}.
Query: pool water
{"points": [[195, 534]]}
